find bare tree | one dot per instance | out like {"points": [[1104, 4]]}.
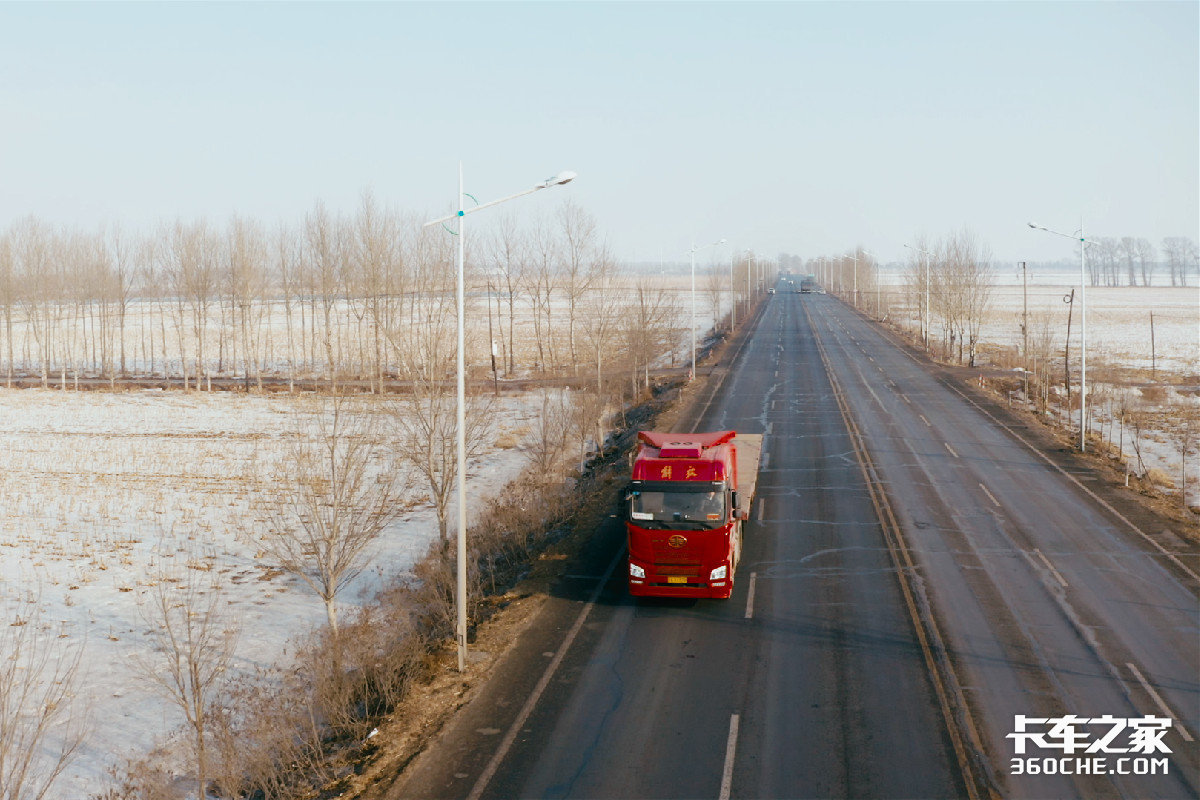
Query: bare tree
{"points": [[427, 415], [1104, 261], [286, 248], [918, 281], [507, 256], [33, 245], [648, 328], [583, 260], [602, 309], [332, 498], [971, 265], [588, 413], [375, 270], [714, 289], [246, 282], [1180, 254], [122, 285], [1145, 258], [1041, 356], [1127, 252], [541, 282], [192, 639], [190, 267], [323, 242], [553, 430], [8, 299], [40, 725]]}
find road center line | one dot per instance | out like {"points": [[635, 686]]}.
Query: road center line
{"points": [[922, 416], [518, 723], [1057, 575], [750, 596], [730, 749], [1187, 737], [991, 496], [951, 449]]}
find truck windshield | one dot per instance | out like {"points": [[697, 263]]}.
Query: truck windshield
{"points": [[677, 510]]}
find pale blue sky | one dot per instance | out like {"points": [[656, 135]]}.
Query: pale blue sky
{"points": [[805, 127]]}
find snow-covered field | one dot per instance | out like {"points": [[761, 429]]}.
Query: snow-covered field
{"points": [[98, 488], [1118, 322], [1120, 356]]}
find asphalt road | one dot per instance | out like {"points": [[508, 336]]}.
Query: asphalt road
{"points": [[833, 672]]}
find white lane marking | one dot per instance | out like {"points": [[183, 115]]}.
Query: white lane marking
{"points": [[760, 510], [527, 709], [766, 459], [878, 402], [951, 449], [904, 397], [1057, 575], [922, 416], [991, 496], [730, 749], [1187, 737], [750, 596]]}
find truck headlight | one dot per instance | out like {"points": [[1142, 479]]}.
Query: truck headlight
{"points": [[635, 571], [719, 573]]}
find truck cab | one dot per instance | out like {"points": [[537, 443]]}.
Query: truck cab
{"points": [[684, 510]]}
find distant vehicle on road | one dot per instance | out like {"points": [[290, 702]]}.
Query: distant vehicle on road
{"points": [[808, 284]]}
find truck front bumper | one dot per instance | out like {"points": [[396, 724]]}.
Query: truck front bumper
{"points": [[654, 584]]}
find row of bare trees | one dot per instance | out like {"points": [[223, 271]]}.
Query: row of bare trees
{"points": [[950, 281], [853, 276], [1132, 260], [321, 299]]}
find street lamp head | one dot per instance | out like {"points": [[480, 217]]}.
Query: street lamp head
{"points": [[721, 241], [1036, 227], [566, 176]]}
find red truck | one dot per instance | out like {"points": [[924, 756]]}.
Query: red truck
{"points": [[684, 510]]}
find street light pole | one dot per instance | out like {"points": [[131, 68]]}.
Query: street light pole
{"points": [[696, 247], [460, 632], [1082, 239]]}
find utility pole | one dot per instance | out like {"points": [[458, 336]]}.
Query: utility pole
{"points": [[1153, 358], [1025, 327]]}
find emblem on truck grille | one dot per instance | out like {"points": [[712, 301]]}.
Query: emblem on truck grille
{"points": [[677, 541]]}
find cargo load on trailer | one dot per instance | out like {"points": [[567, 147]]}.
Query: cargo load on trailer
{"points": [[684, 511]]}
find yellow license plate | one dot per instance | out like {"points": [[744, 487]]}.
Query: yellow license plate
{"points": [[676, 579]]}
